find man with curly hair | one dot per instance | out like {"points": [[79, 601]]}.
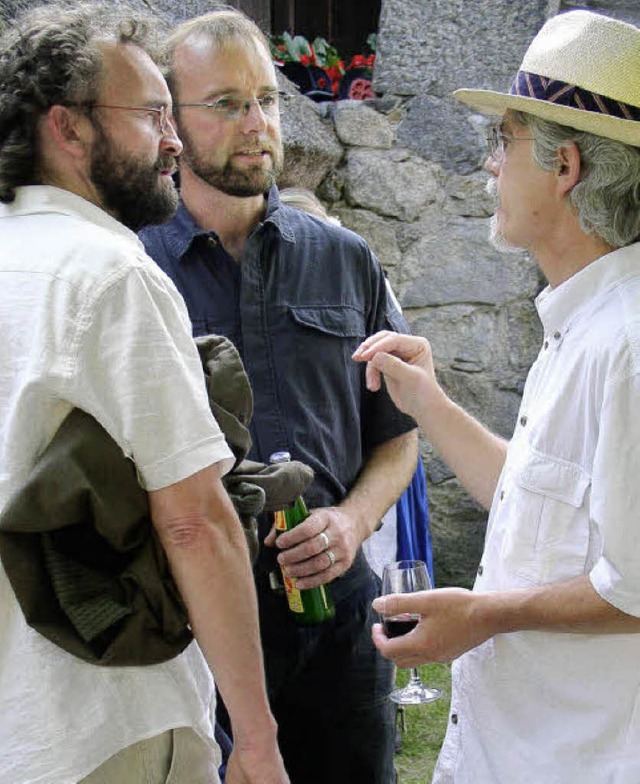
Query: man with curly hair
{"points": [[87, 149]]}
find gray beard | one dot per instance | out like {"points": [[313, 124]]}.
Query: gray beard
{"points": [[498, 241], [495, 237]]}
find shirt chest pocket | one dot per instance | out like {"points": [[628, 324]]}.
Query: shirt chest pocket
{"points": [[547, 523], [338, 331], [331, 321]]}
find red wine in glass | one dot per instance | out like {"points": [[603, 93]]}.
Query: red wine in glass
{"points": [[397, 625], [398, 578]]}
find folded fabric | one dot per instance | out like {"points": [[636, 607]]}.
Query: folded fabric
{"points": [[79, 548]]}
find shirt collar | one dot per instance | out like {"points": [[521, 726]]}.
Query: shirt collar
{"points": [[33, 199], [183, 229], [278, 215], [559, 307]]}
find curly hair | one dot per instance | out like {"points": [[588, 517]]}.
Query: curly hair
{"points": [[48, 56], [607, 198]]}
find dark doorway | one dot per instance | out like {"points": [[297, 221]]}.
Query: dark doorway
{"points": [[344, 23]]}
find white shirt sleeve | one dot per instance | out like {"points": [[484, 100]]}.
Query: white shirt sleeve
{"points": [[139, 374], [615, 502]]}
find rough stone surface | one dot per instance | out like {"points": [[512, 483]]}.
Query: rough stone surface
{"points": [[377, 231], [359, 125], [452, 261], [311, 146], [404, 171], [394, 183], [433, 47]]}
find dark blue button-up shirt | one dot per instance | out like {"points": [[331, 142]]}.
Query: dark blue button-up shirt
{"points": [[304, 296]]}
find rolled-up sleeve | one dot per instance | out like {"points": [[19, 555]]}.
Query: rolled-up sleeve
{"points": [[615, 501]]}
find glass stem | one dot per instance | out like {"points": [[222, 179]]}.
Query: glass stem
{"points": [[415, 677]]}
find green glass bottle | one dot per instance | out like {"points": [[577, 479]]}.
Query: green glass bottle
{"points": [[312, 605]]}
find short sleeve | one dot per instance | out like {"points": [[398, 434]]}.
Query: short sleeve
{"points": [[615, 500], [139, 374]]}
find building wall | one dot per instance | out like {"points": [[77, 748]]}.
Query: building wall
{"points": [[404, 170]]}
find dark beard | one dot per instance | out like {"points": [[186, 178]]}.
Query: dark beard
{"points": [[131, 189], [228, 179]]}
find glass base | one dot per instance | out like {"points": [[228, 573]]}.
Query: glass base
{"points": [[415, 694]]}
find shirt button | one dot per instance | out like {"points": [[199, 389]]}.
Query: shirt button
{"points": [[454, 718], [480, 570], [546, 344], [502, 495], [523, 420], [212, 241], [557, 335]]}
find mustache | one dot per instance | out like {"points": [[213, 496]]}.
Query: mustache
{"points": [[261, 146], [166, 163]]}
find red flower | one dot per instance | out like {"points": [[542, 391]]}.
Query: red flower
{"points": [[358, 61], [360, 89], [305, 59]]}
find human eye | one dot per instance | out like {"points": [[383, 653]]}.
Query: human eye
{"points": [[268, 100], [227, 104]]}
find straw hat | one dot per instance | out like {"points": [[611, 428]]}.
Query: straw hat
{"points": [[582, 70]]}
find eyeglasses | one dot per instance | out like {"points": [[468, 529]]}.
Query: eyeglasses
{"points": [[498, 141], [233, 108], [160, 114]]}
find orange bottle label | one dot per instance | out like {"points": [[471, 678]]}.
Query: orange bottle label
{"points": [[280, 521]]}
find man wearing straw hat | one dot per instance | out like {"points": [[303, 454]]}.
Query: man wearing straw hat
{"points": [[546, 677]]}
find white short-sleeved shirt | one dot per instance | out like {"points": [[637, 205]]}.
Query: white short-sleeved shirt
{"points": [[555, 708], [88, 320]]}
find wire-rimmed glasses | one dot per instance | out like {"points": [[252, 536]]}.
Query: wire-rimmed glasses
{"points": [[498, 141], [233, 107]]}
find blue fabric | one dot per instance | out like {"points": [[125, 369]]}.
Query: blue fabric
{"points": [[303, 297], [412, 514]]}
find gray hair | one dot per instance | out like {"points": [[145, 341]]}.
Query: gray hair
{"points": [[607, 197], [48, 56]]}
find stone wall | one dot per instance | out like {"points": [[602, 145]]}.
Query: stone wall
{"points": [[404, 171], [410, 181]]}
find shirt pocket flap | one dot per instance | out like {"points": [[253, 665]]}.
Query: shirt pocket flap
{"points": [[344, 322], [554, 478]]}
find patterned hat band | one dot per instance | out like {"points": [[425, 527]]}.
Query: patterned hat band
{"points": [[530, 85]]}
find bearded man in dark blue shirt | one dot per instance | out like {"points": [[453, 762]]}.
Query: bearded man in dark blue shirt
{"points": [[296, 296]]}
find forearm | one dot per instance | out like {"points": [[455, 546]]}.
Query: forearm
{"points": [[209, 561], [571, 606], [385, 474], [473, 453], [454, 620]]}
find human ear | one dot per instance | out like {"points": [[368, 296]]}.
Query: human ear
{"points": [[568, 166], [67, 129]]}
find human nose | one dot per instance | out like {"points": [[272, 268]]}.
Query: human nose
{"points": [[492, 165], [170, 141], [253, 115]]}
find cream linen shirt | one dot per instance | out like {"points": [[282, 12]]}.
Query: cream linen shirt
{"points": [[555, 708], [88, 320]]}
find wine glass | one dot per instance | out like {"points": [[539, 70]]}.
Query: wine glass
{"points": [[407, 577]]}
